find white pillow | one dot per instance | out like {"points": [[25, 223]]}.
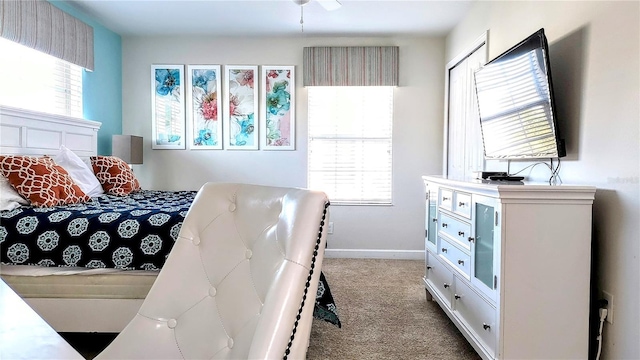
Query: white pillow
{"points": [[9, 197], [81, 174]]}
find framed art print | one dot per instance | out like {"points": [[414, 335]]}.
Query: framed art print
{"points": [[241, 108], [204, 103], [277, 123], [167, 107]]}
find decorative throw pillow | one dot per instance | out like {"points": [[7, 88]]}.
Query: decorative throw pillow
{"points": [[9, 197], [80, 172], [115, 175], [41, 181]]}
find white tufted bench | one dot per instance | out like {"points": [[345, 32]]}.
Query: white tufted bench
{"points": [[247, 258]]}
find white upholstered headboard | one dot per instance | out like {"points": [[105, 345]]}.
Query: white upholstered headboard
{"points": [[24, 132]]}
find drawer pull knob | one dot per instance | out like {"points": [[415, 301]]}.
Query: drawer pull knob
{"points": [[444, 250], [461, 233], [444, 198], [461, 204], [457, 296], [485, 326], [428, 267], [471, 239], [446, 286], [444, 225], [461, 262], [434, 220]]}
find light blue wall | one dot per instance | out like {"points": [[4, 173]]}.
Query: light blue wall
{"points": [[102, 88]]}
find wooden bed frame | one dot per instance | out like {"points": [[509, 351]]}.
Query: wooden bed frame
{"points": [[25, 132]]}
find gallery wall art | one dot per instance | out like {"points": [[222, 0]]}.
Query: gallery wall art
{"points": [[204, 102], [214, 107], [167, 107], [241, 107], [277, 125]]}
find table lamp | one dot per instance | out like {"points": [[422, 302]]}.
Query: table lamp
{"points": [[127, 148]]}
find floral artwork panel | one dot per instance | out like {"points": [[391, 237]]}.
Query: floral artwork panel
{"points": [[205, 106], [278, 103], [241, 107], [167, 107]]}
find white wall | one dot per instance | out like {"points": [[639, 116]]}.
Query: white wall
{"points": [[417, 131], [594, 52]]}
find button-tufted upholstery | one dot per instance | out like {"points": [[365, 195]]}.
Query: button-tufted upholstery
{"points": [[234, 282]]}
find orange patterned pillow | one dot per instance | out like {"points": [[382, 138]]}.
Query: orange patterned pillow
{"points": [[115, 175], [41, 181]]}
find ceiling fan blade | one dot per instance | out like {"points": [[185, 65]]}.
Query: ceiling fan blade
{"points": [[330, 4]]}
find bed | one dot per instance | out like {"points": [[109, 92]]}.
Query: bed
{"points": [[86, 267]]}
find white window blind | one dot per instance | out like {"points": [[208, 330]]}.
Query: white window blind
{"points": [[36, 81], [350, 130]]}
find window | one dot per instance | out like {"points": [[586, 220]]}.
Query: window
{"points": [[350, 143], [36, 81]]}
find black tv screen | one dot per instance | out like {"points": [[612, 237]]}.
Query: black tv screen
{"points": [[516, 104]]}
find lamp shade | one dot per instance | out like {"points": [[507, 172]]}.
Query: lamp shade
{"points": [[127, 148]]}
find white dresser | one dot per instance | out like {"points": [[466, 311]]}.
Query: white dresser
{"points": [[510, 265]]}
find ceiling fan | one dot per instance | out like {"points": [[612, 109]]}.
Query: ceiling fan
{"points": [[327, 4]]}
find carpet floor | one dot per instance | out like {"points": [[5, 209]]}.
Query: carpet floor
{"points": [[383, 311], [384, 315]]}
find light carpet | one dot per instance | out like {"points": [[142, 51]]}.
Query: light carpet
{"points": [[384, 315]]}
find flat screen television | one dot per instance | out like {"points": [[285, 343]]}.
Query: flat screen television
{"points": [[516, 104]]}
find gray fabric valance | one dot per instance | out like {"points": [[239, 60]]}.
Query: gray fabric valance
{"points": [[351, 66], [42, 26]]}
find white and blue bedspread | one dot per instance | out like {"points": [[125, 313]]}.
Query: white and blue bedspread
{"points": [[132, 232], [135, 232]]}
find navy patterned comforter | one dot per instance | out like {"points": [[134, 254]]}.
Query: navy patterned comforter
{"points": [[132, 232]]}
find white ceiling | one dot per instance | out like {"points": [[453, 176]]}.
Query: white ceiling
{"points": [[275, 17]]}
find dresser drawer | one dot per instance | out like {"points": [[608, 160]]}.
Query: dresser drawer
{"points": [[477, 314], [455, 229], [456, 257], [461, 204], [439, 277], [445, 198]]}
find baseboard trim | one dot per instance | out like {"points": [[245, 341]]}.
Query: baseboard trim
{"points": [[374, 254]]}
